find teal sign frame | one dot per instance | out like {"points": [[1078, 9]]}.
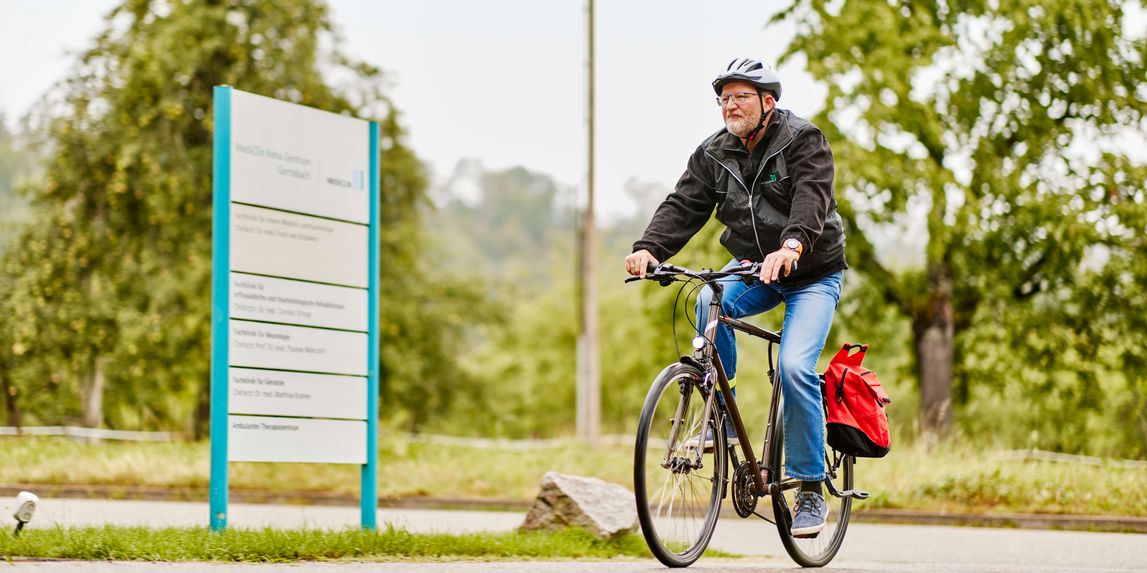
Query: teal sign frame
{"points": [[221, 317]]}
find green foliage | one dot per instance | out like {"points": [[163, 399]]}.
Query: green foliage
{"points": [[510, 245], [107, 298], [508, 219], [111, 543], [518, 237], [976, 115], [17, 166]]}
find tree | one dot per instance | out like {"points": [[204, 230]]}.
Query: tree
{"points": [[16, 168], [1006, 123], [109, 290], [505, 241], [507, 220]]}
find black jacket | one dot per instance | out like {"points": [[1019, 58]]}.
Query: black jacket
{"points": [[790, 195]]}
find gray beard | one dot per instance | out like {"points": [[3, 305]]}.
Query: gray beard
{"points": [[740, 127]]}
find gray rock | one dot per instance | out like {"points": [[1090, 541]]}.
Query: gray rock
{"points": [[607, 510]]}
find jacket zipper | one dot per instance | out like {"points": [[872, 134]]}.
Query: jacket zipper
{"points": [[749, 190]]}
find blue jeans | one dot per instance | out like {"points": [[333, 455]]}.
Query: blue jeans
{"points": [[809, 310]]}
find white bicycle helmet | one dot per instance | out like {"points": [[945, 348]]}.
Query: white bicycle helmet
{"points": [[752, 71]]}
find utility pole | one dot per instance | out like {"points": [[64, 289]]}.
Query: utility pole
{"points": [[588, 367]]}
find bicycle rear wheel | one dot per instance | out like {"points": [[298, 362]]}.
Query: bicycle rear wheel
{"points": [[678, 485], [819, 550]]}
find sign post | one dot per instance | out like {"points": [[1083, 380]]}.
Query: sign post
{"points": [[294, 318]]}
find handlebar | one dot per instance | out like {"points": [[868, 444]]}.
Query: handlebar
{"points": [[667, 274]]}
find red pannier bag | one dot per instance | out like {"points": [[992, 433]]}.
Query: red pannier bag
{"points": [[854, 406]]}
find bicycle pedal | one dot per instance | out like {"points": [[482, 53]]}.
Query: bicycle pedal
{"points": [[807, 536], [855, 494]]}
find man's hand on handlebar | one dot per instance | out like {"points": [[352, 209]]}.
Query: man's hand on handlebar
{"points": [[775, 261], [637, 263]]}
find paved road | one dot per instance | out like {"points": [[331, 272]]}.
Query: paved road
{"points": [[868, 547]]}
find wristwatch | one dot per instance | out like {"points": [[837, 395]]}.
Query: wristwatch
{"points": [[793, 245]]}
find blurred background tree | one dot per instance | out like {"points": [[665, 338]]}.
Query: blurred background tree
{"points": [[106, 296], [18, 166], [1008, 127]]}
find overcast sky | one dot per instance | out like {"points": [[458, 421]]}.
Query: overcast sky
{"points": [[503, 81]]}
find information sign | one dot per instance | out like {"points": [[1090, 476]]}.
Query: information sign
{"points": [[294, 296]]}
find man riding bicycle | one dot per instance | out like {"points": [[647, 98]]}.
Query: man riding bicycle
{"points": [[769, 175]]}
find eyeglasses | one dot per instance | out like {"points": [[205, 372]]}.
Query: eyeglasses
{"points": [[739, 99]]}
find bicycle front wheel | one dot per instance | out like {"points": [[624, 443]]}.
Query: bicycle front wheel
{"points": [[819, 550], [678, 481]]}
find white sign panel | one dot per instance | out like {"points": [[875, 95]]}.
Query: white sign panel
{"points": [[270, 439], [276, 300], [269, 392], [259, 345], [299, 159], [269, 242]]}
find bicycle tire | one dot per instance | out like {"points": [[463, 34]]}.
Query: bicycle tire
{"points": [[818, 551], [677, 506]]}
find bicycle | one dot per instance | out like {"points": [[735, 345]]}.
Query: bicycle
{"points": [[680, 483]]}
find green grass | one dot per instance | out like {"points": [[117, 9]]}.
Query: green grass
{"points": [[275, 545], [965, 480], [951, 477]]}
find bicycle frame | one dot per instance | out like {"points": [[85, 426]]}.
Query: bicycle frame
{"points": [[760, 486], [769, 484]]}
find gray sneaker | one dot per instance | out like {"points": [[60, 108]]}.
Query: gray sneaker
{"points": [[809, 514]]}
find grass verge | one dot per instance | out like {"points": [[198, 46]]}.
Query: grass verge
{"points": [[958, 478], [277, 545]]}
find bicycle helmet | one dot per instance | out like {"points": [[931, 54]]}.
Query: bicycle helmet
{"points": [[752, 71]]}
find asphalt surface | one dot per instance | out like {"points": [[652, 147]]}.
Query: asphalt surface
{"points": [[868, 547]]}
